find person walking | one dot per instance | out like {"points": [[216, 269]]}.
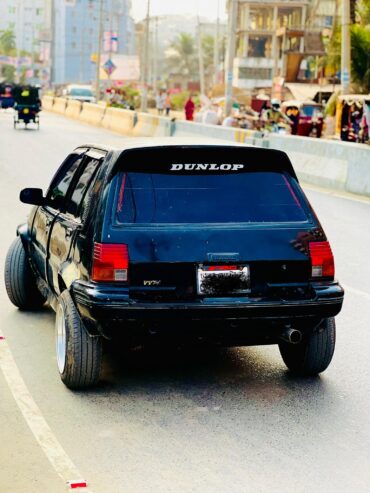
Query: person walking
{"points": [[167, 104], [189, 109], [159, 101]]}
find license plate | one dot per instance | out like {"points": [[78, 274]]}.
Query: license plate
{"points": [[223, 280]]}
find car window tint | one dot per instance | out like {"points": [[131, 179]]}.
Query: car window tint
{"points": [[85, 180], [256, 197], [59, 186]]}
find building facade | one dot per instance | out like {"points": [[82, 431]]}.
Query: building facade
{"points": [[29, 20], [76, 33], [274, 37]]}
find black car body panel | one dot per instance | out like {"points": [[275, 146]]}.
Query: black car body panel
{"points": [[167, 259]]}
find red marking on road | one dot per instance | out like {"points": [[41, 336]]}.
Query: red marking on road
{"points": [[77, 484]]}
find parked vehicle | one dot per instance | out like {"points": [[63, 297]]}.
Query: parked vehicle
{"points": [[209, 242], [27, 105], [80, 93], [307, 117]]}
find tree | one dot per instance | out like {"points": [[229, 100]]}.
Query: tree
{"points": [[183, 56], [7, 42], [208, 46]]}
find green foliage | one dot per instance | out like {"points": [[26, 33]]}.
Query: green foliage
{"points": [[208, 46], [178, 100], [360, 54], [363, 11], [8, 73], [360, 47], [7, 42], [183, 58]]}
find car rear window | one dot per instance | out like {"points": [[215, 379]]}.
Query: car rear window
{"points": [[252, 197]]}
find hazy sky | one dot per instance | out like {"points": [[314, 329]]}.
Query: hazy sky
{"points": [[205, 8]]}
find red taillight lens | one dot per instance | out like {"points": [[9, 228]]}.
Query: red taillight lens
{"points": [[110, 262], [322, 259], [221, 267]]}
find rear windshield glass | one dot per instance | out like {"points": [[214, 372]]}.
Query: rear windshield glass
{"points": [[222, 198]]}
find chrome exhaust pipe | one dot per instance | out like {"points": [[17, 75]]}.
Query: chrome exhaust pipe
{"points": [[293, 336]]}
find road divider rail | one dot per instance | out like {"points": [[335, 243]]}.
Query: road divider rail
{"points": [[73, 109], [60, 105], [47, 102], [92, 113], [119, 120], [329, 163], [151, 126]]}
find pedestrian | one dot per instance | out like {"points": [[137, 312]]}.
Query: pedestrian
{"points": [[160, 102], [189, 109], [167, 104]]}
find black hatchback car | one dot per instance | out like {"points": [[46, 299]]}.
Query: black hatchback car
{"points": [[193, 242]]}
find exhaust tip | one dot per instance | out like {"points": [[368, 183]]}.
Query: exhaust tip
{"points": [[293, 336]]}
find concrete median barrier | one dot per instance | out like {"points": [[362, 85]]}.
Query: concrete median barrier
{"points": [[47, 102], [118, 120], [59, 105], [73, 109], [151, 126], [92, 113]]}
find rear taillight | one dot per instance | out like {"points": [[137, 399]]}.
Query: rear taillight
{"points": [[110, 262], [322, 259]]}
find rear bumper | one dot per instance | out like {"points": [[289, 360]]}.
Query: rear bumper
{"points": [[111, 305]]}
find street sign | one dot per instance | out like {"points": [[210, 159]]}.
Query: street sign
{"points": [[109, 67]]}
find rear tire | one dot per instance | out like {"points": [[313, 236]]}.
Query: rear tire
{"points": [[20, 281], [79, 356], [314, 354]]}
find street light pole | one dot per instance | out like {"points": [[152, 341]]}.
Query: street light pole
{"points": [[201, 64], [216, 46], [98, 58], [144, 68], [233, 12], [346, 48]]}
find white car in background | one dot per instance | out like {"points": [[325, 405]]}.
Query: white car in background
{"points": [[80, 93]]}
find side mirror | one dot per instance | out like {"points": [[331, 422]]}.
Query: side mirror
{"points": [[32, 196]]}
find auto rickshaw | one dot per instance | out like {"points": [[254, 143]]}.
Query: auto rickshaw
{"points": [[27, 105], [307, 117]]}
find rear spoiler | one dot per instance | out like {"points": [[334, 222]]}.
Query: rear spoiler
{"points": [[203, 159]]}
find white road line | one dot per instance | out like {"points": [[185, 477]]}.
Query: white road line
{"points": [[356, 291], [337, 194], [53, 450]]}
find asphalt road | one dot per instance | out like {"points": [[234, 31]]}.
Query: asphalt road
{"points": [[205, 421]]}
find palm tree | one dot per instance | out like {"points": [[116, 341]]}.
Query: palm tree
{"points": [[182, 57], [7, 42]]}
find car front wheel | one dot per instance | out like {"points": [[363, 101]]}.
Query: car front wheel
{"points": [[20, 281], [313, 355], [79, 356]]}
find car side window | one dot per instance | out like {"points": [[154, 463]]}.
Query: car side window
{"points": [[60, 184], [75, 203]]}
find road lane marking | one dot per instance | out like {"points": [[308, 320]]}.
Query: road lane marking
{"points": [[356, 291], [48, 442], [339, 195]]}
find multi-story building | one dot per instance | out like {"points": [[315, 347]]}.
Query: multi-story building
{"points": [[273, 38], [29, 20], [76, 34]]}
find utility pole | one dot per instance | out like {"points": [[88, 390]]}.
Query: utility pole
{"points": [[98, 58], [201, 64], [144, 68], [216, 55], [346, 48], [230, 54]]}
